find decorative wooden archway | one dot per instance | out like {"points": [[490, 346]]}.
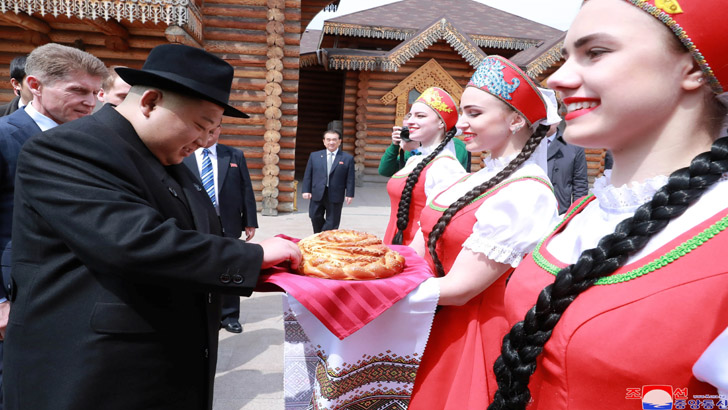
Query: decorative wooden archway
{"points": [[429, 75]]}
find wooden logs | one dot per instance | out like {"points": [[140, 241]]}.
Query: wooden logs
{"points": [[275, 30], [26, 22], [116, 43], [273, 76], [361, 126], [275, 52], [274, 64], [272, 124], [273, 89], [35, 38], [276, 15], [273, 112], [272, 136]]}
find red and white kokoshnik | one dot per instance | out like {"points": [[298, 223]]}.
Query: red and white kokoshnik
{"points": [[348, 255]]}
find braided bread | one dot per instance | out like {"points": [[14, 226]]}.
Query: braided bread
{"points": [[348, 255]]}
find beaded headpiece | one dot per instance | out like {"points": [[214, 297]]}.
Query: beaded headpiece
{"points": [[443, 104], [698, 24], [501, 78]]}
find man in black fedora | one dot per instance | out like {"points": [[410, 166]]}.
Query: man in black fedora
{"points": [[118, 255]]}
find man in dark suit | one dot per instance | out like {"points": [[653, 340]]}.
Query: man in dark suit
{"points": [[20, 87], [328, 182], [118, 253], [231, 192], [566, 169], [63, 82]]}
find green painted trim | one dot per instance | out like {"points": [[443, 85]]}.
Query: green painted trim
{"points": [[676, 253]]}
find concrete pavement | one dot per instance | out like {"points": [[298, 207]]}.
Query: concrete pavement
{"points": [[250, 364]]}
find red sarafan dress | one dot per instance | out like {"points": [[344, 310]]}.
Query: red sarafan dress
{"points": [[443, 169], [644, 325], [504, 223]]}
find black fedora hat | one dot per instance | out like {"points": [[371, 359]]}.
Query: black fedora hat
{"points": [[186, 70]]}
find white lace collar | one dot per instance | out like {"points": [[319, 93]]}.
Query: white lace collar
{"points": [[497, 164], [628, 197]]}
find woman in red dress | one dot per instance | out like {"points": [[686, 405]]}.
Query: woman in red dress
{"points": [[614, 308], [431, 122], [479, 229]]}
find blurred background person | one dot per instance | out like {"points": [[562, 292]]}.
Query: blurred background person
{"points": [[328, 182], [114, 89], [223, 172], [566, 168], [20, 87]]}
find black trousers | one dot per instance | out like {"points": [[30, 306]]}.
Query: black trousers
{"points": [[325, 215], [230, 309]]}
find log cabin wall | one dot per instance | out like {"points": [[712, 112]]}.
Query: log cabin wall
{"points": [[15, 41], [315, 110], [351, 88], [261, 38]]}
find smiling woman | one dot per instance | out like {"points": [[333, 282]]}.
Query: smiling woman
{"points": [[431, 124], [641, 78], [479, 228]]}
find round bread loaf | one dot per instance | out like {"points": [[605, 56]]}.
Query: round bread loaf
{"points": [[348, 255]]}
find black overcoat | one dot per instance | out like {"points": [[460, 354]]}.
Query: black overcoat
{"points": [[115, 301]]}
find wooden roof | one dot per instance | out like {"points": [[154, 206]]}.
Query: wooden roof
{"points": [[488, 26], [357, 59], [541, 58], [466, 25], [310, 8]]}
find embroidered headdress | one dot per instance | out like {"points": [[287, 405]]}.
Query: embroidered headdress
{"points": [[443, 104], [503, 79], [699, 26]]}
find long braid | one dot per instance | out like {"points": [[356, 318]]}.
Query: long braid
{"points": [[404, 202], [501, 176], [525, 341]]}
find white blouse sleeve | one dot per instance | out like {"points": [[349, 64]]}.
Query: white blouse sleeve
{"points": [[441, 174], [511, 222]]}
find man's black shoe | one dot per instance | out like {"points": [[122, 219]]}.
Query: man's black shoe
{"points": [[233, 327]]}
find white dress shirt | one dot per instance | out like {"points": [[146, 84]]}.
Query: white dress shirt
{"points": [[43, 122]]}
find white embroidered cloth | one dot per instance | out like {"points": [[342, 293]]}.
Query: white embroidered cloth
{"points": [[374, 368]]}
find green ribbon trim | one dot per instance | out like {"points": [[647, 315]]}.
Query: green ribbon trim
{"points": [[676, 253]]}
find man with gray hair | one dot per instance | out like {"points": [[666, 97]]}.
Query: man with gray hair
{"points": [[64, 82]]}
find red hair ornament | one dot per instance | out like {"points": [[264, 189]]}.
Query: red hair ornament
{"points": [[501, 78], [699, 25], [442, 103]]}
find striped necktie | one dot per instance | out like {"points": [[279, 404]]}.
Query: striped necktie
{"points": [[208, 178]]}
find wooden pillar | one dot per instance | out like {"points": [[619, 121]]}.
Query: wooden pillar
{"points": [[594, 163], [360, 143], [274, 77]]}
